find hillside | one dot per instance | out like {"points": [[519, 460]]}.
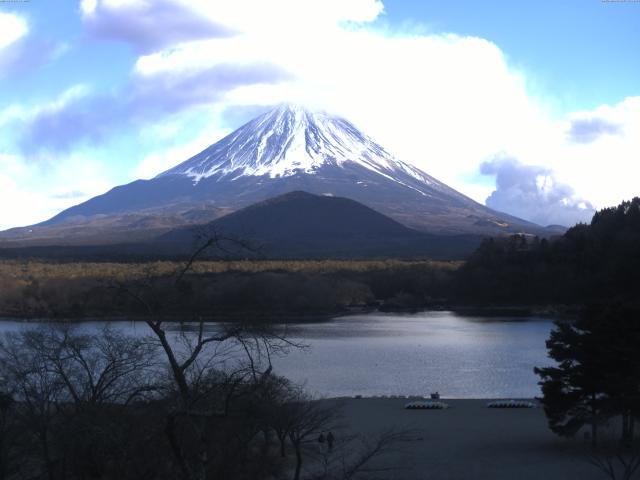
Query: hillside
{"points": [[302, 225]]}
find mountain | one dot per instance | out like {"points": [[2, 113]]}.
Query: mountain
{"points": [[289, 148], [296, 225], [301, 225]]}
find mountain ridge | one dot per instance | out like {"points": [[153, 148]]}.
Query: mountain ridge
{"points": [[302, 225], [286, 149], [295, 225]]}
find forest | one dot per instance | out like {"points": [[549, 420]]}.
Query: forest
{"points": [[221, 289], [590, 262], [207, 404]]}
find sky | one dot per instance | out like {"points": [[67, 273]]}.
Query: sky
{"points": [[532, 108]]}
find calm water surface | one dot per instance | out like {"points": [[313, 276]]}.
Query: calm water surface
{"points": [[391, 354]]}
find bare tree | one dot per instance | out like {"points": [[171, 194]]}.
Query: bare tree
{"points": [[68, 387], [8, 434], [107, 367], [38, 392], [305, 421], [241, 351]]}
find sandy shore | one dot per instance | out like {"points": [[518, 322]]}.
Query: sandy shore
{"points": [[470, 441]]}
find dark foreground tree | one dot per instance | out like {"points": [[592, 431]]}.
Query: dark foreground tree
{"points": [[219, 378], [8, 436], [191, 401], [597, 376], [71, 394], [616, 460]]}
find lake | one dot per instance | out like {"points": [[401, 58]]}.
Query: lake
{"points": [[460, 356]]}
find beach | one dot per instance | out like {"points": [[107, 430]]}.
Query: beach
{"points": [[468, 441]]}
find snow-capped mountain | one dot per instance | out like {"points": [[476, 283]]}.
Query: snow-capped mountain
{"points": [[291, 140], [292, 148]]}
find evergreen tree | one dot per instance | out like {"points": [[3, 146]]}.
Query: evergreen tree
{"points": [[598, 371], [599, 261]]}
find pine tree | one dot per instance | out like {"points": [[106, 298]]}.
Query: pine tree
{"points": [[598, 371]]}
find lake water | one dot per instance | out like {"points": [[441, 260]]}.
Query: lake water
{"points": [[413, 354]]}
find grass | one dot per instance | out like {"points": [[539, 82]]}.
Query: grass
{"points": [[35, 269]]}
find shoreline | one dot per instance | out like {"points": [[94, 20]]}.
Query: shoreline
{"points": [[492, 311], [408, 398]]}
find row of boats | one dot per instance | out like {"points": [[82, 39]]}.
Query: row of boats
{"points": [[438, 405]]}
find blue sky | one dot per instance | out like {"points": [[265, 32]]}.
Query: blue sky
{"points": [[582, 52], [531, 107]]}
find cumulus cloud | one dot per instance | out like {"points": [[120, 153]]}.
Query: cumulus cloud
{"points": [[323, 53], [81, 116], [417, 94], [171, 92], [589, 126], [586, 130], [533, 192], [12, 28], [75, 116], [148, 26], [440, 101], [161, 160], [604, 169], [36, 194], [20, 52], [27, 55]]}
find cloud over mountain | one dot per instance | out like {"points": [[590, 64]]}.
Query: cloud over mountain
{"points": [[87, 117], [532, 192], [148, 26], [586, 130], [439, 100]]}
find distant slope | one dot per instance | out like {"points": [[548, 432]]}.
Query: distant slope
{"points": [[286, 149], [115, 228], [302, 225]]}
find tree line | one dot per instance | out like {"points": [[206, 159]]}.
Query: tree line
{"points": [[599, 261], [593, 387]]}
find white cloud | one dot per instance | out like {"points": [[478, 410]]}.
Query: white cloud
{"points": [[31, 194], [148, 26], [596, 152], [151, 26], [12, 28], [533, 192], [21, 52], [444, 102], [160, 160], [441, 101], [37, 127]]}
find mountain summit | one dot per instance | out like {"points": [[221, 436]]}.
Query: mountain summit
{"points": [[290, 140], [292, 148]]}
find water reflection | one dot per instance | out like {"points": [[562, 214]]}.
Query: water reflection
{"points": [[390, 354]]}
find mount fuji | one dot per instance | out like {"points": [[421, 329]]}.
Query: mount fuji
{"points": [[289, 148]]}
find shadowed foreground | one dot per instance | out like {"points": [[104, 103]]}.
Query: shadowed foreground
{"points": [[470, 441]]}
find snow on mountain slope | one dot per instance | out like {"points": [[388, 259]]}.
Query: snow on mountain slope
{"points": [[291, 148], [290, 140]]}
